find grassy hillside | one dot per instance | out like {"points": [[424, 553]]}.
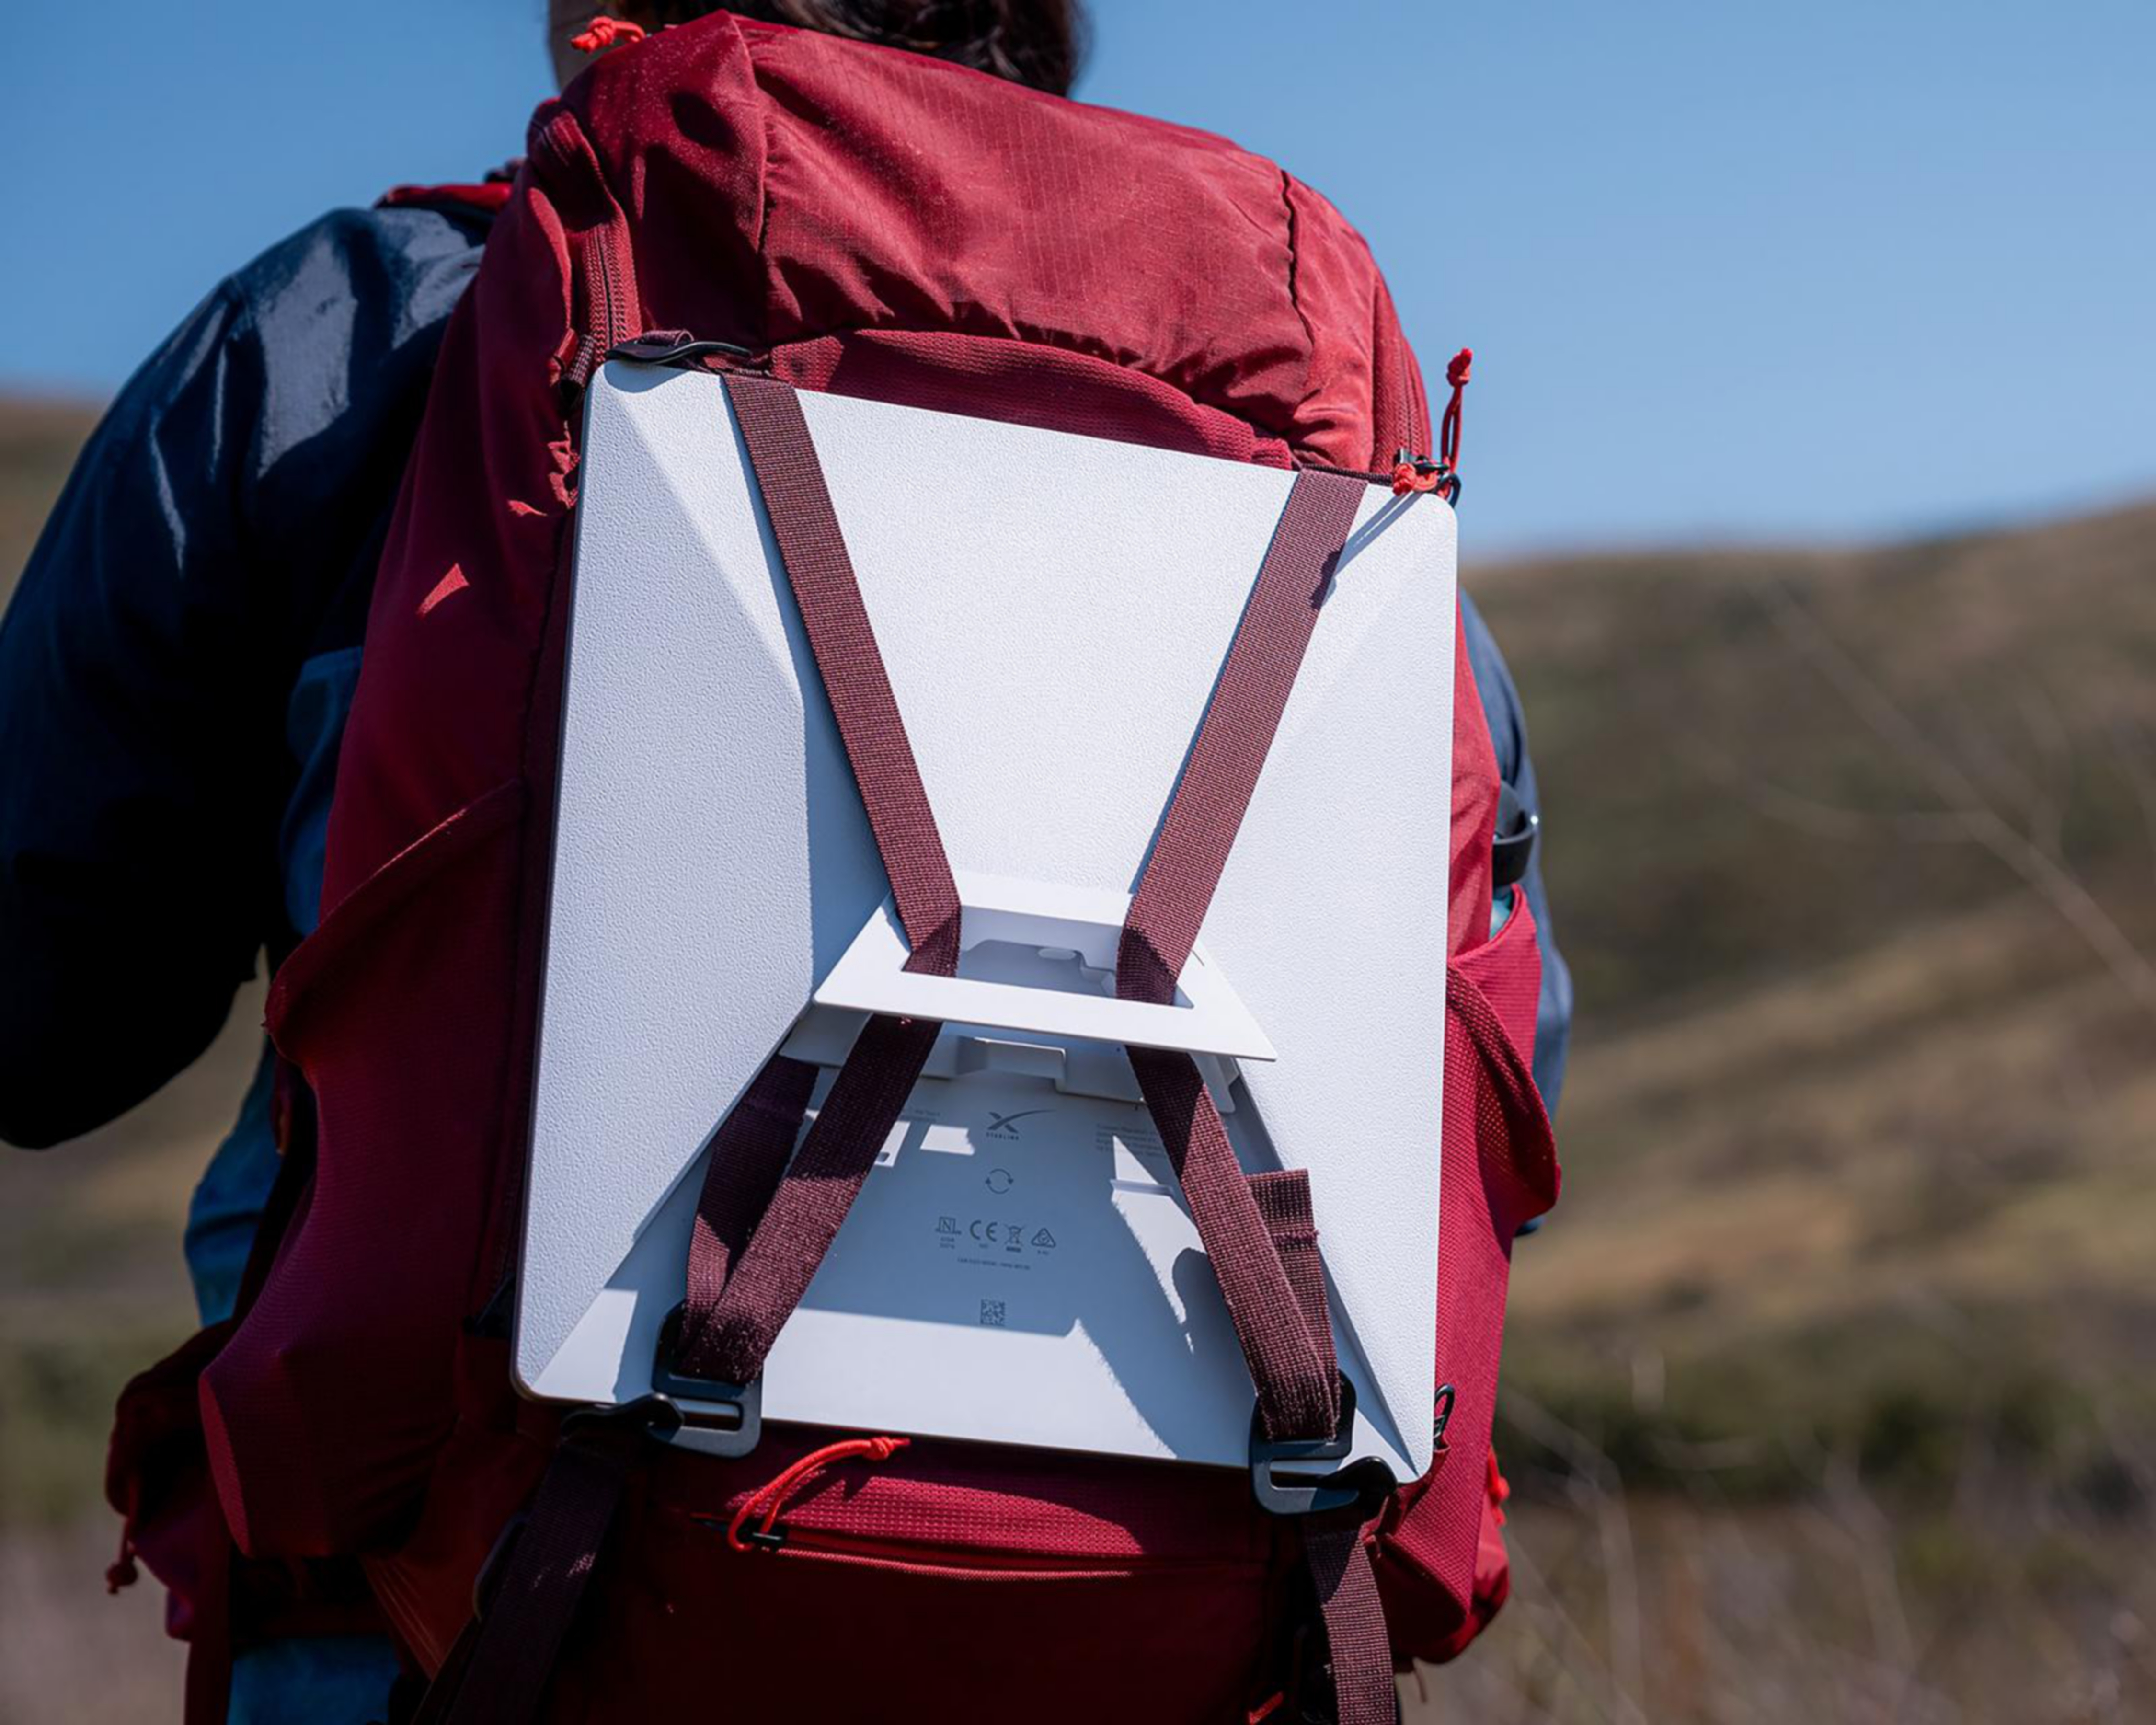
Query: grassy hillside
{"points": [[1853, 855], [1832, 1384], [1832, 1388]]}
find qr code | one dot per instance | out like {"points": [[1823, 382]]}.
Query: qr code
{"points": [[992, 1313]]}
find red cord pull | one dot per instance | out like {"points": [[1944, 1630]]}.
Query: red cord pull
{"points": [[602, 33], [1424, 473], [1448, 429], [1500, 1488], [1416, 473], [774, 1496]]}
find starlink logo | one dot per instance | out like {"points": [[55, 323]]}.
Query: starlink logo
{"points": [[1005, 1126]]}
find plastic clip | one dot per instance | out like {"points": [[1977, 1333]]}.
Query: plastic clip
{"points": [[709, 1417], [1364, 1484]]}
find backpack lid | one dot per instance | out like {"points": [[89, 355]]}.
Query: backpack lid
{"points": [[864, 188], [1020, 1270]]}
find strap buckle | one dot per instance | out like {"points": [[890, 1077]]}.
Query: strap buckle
{"points": [[1362, 1485], [1413, 473], [699, 1414]]}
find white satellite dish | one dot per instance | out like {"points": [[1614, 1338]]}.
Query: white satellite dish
{"points": [[1053, 611]]}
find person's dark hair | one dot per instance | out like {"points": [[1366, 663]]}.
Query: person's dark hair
{"points": [[1036, 42]]}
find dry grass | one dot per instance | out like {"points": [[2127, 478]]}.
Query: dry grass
{"points": [[1831, 1387]]}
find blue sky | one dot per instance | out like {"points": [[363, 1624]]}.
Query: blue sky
{"points": [[1730, 268]]}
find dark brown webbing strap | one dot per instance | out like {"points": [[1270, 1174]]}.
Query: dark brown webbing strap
{"points": [[1355, 1638], [1282, 1196], [1206, 812], [1297, 1388], [762, 1229], [1298, 1396], [1359, 1652], [821, 572], [1259, 1233], [521, 1627], [786, 1247], [748, 1157]]}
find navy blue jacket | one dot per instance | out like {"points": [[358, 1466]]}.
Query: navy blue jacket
{"points": [[166, 728]]}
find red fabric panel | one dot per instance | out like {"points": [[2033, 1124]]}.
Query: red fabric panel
{"points": [[866, 188], [800, 1635], [1399, 412], [1474, 810], [1022, 384], [946, 1582], [324, 1412], [1499, 1168], [155, 1476], [444, 697], [1336, 277], [683, 128]]}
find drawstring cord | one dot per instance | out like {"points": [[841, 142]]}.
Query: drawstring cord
{"points": [[121, 1571], [1500, 1488], [1448, 428], [774, 1496], [1422, 473], [602, 33]]}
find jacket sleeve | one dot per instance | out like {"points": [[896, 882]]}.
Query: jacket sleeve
{"points": [[220, 529], [138, 730], [1508, 731]]}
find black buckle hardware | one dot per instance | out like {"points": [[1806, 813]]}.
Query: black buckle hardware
{"points": [[1512, 844], [1302, 1492], [676, 347], [1447, 483], [701, 1413], [1440, 1417]]}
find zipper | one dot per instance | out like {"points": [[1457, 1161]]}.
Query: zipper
{"points": [[587, 207], [600, 263], [831, 1545]]}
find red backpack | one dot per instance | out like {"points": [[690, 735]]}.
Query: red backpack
{"points": [[846, 218]]}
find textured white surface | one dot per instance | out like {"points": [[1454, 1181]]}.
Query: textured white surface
{"points": [[1053, 611], [1206, 1017]]}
